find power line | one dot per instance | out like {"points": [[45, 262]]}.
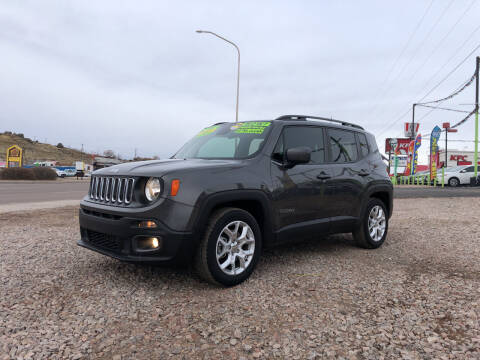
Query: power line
{"points": [[443, 39], [416, 51], [464, 120], [455, 53], [444, 65], [428, 34], [450, 73], [440, 101], [394, 64], [455, 93], [431, 90], [442, 108]]}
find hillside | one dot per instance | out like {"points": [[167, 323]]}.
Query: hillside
{"points": [[34, 150]]}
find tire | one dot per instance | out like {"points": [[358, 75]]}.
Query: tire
{"points": [[219, 239], [362, 233], [453, 182]]}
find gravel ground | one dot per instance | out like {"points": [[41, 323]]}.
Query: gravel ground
{"points": [[15, 207], [417, 297]]}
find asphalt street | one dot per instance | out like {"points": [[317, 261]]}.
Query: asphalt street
{"points": [[405, 192], [14, 192]]}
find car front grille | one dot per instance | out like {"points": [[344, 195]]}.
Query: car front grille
{"points": [[104, 241], [113, 190]]}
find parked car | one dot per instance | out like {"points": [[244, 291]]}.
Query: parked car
{"points": [[457, 175], [236, 188], [60, 173]]}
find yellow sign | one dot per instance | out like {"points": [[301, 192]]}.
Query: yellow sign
{"points": [[14, 156]]}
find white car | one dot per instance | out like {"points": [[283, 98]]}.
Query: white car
{"points": [[60, 173], [458, 175]]}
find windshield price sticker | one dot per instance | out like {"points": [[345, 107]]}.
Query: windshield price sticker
{"points": [[207, 131], [251, 127]]}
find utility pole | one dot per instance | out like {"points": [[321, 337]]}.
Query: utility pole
{"points": [[475, 157], [413, 122]]}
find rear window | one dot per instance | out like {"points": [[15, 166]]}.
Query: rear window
{"points": [[343, 146], [372, 143], [362, 141]]}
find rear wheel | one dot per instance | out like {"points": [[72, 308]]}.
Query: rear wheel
{"points": [[372, 231], [230, 247], [453, 182]]}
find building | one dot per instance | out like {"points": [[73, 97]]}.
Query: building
{"points": [[456, 157]]}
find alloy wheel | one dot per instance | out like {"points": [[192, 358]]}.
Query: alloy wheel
{"points": [[376, 223], [235, 248]]}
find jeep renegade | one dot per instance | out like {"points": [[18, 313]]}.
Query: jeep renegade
{"points": [[236, 188]]}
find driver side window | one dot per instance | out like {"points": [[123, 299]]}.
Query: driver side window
{"points": [[301, 136]]}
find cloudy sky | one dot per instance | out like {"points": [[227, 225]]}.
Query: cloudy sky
{"points": [[134, 74]]}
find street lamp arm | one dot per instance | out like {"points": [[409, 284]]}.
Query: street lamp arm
{"points": [[220, 37], [238, 65]]}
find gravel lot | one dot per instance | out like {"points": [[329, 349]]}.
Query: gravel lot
{"points": [[417, 297]]}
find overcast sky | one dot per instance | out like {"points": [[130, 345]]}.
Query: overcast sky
{"points": [[123, 75]]}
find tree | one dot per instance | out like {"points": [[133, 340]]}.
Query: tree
{"points": [[60, 146]]}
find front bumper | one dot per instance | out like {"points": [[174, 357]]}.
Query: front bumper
{"points": [[113, 235]]}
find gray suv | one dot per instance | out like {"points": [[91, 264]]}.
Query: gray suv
{"points": [[236, 188]]}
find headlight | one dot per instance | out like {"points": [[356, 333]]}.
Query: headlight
{"points": [[152, 189]]}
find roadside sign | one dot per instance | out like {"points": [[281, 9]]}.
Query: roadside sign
{"points": [[14, 156]]}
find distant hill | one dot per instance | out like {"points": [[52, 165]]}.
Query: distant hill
{"points": [[34, 150]]}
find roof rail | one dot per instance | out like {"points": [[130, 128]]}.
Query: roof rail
{"points": [[306, 117]]}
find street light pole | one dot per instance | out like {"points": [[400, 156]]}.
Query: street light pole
{"points": [[238, 67]]}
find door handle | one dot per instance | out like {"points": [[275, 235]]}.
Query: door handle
{"points": [[323, 176], [363, 172]]}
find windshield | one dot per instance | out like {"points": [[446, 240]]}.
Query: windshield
{"points": [[226, 141]]}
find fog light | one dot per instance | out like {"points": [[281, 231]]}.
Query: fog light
{"points": [[147, 224], [147, 243]]}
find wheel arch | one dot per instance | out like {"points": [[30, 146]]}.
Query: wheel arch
{"points": [[383, 197], [382, 192], [253, 201], [453, 177]]}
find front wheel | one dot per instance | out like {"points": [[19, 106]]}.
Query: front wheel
{"points": [[230, 247], [453, 182], [372, 231]]}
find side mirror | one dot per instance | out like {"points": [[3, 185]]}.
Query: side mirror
{"points": [[299, 155], [463, 171]]}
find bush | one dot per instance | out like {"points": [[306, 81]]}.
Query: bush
{"points": [[60, 146], [43, 173]]}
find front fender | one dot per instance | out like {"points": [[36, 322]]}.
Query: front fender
{"points": [[206, 206]]}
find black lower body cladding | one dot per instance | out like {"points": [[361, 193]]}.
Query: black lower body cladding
{"points": [[120, 237]]}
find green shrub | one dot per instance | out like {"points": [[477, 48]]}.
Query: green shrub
{"points": [[39, 173]]}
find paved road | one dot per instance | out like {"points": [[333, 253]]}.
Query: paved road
{"points": [[14, 192], [404, 192]]}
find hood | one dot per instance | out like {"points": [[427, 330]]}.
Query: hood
{"points": [[162, 167]]}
